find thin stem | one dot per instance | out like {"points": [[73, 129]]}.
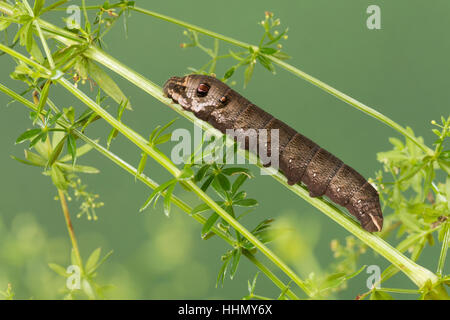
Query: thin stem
{"points": [[153, 185], [395, 290], [69, 225], [86, 17], [167, 164], [418, 274]]}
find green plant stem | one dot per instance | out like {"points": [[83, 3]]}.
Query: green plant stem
{"points": [[41, 36], [69, 225], [255, 296], [268, 273], [414, 271], [297, 72], [7, 9], [395, 290], [153, 185], [417, 274], [444, 249]]}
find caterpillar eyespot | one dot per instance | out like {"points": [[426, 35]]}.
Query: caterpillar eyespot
{"points": [[300, 159], [202, 90]]}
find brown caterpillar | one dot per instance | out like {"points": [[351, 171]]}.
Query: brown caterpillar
{"points": [[300, 159]]}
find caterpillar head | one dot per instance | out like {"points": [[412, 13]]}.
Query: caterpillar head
{"points": [[197, 93]]}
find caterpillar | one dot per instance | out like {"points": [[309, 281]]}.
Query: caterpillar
{"points": [[300, 159]]}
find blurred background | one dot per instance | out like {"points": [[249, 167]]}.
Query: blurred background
{"points": [[401, 71]]}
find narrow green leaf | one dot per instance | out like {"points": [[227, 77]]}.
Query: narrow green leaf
{"points": [[58, 177], [200, 208], [239, 196], [29, 36], [38, 5], [229, 73], [201, 172], [4, 24], [266, 63], [275, 39], [43, 97], [58, 269], [26, 161], [223, 271], [28, 135], [40, 137], [236, 258], [281, 55], [93, 259], [153, 134], [36, 53], [235, 55], [219, 189], [142, 164], [246, 203], [163, 139], [112, 134], [236, 170], [251, 288], [56, 151], [102, 261], [238, 183], [167, 199], [106, 83], [209, 223], [162, 129], [35, 158], [85, 148], [70, 114], [78, 168], [248, 73], [224, 182], [53, 5], [72, 147], [53, 120], [207, 183]]}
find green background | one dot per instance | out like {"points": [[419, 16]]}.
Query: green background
{"points": [[401, 70]]}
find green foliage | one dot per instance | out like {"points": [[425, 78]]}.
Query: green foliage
{"points": [[268, 46], [418, 203], [8, 294]]}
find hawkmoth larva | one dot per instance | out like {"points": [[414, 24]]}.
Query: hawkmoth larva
{"points": [[300, 159]]}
